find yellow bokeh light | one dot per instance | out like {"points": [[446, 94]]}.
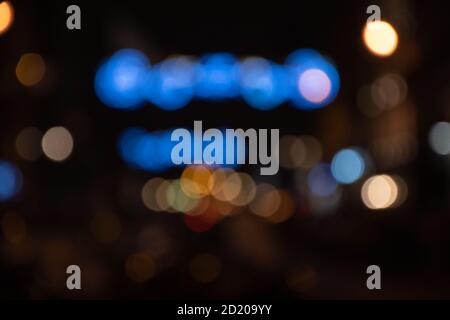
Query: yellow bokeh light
{"points": [[6, 16], [149, 192], [380, 38], [161, 196], [216, 181], [30, 69], [232, 187], [225, 184], [380, 192], [195, 181]]}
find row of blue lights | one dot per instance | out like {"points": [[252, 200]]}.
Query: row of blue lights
{"points": [[151, 151], [10, 181], [127, 80]]}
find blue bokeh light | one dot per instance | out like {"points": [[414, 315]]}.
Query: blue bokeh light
{"points": [[126, 80], [170, 84], [217, 77], [321, 182], [145, 150], [313, 81], [119, 81], [10, 181], [263, 84], [152, 151], [128, 144], [348, 166], [165, 146]]}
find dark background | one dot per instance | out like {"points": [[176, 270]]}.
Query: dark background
{"points": [[411, 244]]}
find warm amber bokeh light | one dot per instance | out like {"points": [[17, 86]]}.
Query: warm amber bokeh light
{"points": [[380, 192], [30, 69], [380, 38], [6, 16]]}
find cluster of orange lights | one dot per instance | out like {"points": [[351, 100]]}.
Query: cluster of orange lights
{"points": [[207, 195]]}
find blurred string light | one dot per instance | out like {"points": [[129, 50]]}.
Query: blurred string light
{"points": [[205, 195], [126, 80], [120, 80], [6, 16], [217, 77], [348, 166], [383, 192], [149, 193], [30, 69], [161, 196], [439, 138], [314, 81], [200, 189], [57, 144], [380, 38], [247, 191], [170, 84], [195, 181], [28, 143], [263, 84], [225, 185], [10, 181], [178, 200], [151, 151]]}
